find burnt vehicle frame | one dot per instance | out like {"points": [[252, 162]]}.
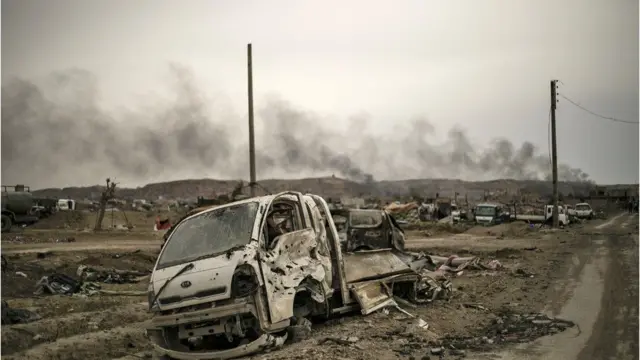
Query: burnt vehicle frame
{"points": [[248, 298], [368, 229]]}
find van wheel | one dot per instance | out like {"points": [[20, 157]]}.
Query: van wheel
{"points": [[6, 223], [300, 331]]}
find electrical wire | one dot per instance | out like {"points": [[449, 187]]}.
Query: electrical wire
{"points": [[596, 114]]}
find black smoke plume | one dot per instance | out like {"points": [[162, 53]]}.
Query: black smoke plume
{"points": [[61, 136]]}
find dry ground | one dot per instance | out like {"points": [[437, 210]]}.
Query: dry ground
{"points": [[541, 268]]}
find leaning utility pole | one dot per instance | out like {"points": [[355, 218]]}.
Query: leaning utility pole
{"points": [[252, 147], [554, 153]]}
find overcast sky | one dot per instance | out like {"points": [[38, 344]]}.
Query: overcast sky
{"points": [[484, 66]]}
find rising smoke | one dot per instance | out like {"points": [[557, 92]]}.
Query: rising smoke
{"points": [[62, 137]]}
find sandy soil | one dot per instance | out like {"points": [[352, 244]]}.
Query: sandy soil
{"points": [[543, 271]]}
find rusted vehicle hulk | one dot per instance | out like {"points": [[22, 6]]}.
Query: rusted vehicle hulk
{"points": [[367, 229], [242, 277]]}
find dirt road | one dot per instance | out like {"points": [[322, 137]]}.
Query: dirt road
{"points": [[82, 246], [587, 275], [602, 292]]}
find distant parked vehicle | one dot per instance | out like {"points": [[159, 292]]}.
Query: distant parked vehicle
{"points": [[66, 204], [18, 207], [563, 218], [490, 214], [584, 211]]}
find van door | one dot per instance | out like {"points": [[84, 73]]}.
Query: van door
{"points": [[333, 239], [290, 254]]}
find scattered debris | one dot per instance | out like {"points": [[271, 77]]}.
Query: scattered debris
{"points": [[519, 272], [57, 284], [17, 316], [62, 284], [111, 276], [456, 264], [341, 341], [475, 306]]}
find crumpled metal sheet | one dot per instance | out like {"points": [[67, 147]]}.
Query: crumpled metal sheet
{"points": [[294, 259], [367, 265], [372, 296]]}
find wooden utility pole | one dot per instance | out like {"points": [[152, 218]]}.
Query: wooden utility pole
{"points": [[554, 153], [107, 194], [252, 148]]}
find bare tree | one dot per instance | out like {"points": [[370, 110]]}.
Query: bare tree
{"points": [[108, 194]]}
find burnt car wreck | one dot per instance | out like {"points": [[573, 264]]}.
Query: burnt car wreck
{"points": [[367, 230], [244, 277]]}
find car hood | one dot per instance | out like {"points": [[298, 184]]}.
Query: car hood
{"points": [[208, 280]]}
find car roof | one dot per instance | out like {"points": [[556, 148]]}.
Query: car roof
{"points": [[488, 205], [259, 199]]}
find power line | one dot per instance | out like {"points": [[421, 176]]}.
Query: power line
{"points": [[596, 114]]}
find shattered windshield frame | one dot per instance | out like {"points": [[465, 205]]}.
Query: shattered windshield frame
{"points": [[365, 218], [209, 234]]}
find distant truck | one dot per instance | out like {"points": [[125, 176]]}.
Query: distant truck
{"points": [[493, 214], [18, 207], [563, 217], [490, 214]]}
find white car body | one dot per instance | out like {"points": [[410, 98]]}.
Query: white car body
{"points": [[583, 210]]}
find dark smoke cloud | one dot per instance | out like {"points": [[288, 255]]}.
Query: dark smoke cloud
{"points": [[62, 137]]}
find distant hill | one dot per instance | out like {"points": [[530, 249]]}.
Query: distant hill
{"points": [[329, 187]]}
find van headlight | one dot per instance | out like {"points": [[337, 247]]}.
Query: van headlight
{"points": [[150, 297], [244, 282]]}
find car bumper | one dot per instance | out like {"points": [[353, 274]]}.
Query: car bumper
{"points": [[165, 340], [162, 347]]}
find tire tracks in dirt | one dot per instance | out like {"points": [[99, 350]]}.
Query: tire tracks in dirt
{"points": [[112, 343], [49, 330], [615, 333], [599, 293]]}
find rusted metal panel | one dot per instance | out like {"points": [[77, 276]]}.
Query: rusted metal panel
{"points": [[375, 264], [372, 296]]}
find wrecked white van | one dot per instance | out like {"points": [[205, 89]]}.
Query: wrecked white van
{"points": [[243, 277]]}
